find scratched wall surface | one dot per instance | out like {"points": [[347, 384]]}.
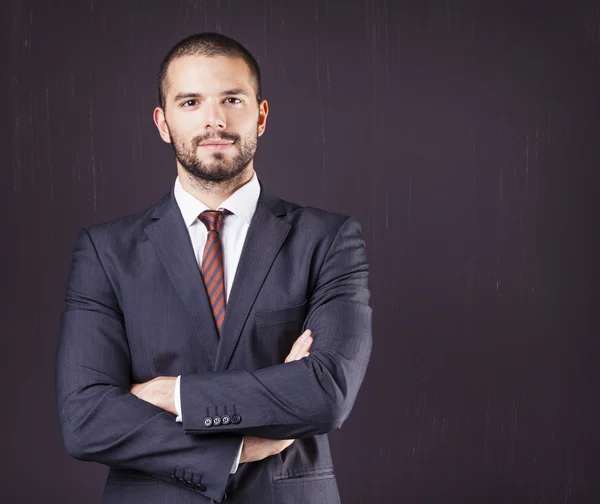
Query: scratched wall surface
{"points": [[465, 138]]}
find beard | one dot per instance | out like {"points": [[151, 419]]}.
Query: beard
{"points": [[220, 168]]}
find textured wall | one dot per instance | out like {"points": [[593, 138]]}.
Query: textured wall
{"points": [[463, 135]]}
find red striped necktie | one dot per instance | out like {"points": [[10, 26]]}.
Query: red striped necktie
{"points": [[212, 263]]}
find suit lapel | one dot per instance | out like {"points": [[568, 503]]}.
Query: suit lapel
{"points": [[264, 238], [174, 250]]}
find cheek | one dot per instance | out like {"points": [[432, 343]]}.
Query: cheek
{"points": [[184, 126], [182, 138], [243, 120], [248, 127]]}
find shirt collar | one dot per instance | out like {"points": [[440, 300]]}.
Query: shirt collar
{"points": [[242, 202]]}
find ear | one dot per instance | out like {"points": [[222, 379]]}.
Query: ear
{"points": [[263, 112], [161, 124]]}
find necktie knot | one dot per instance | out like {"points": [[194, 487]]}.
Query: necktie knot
{"points": [[213, 219]]}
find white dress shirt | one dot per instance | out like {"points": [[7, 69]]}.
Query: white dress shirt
{"points": [[242, 203]]}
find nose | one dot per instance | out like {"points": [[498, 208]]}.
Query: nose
{"points": [[214, 117]]}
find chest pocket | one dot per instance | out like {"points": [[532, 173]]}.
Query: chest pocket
{"points": [[291, 314], [277, 330]]}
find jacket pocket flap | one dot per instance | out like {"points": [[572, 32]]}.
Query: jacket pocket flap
{"points": [[314, 474], [281, 315]]}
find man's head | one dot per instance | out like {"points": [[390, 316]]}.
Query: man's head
{"points": [[209, 90]]}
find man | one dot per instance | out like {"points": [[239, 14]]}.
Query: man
{"points": [[180, 364]]}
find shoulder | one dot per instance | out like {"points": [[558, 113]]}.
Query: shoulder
{"points": [[319, 222], [127, 229]]}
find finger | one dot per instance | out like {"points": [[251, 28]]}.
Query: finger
{"points": [[301, 344], [281, 445], [297, 354], [309, 342]]}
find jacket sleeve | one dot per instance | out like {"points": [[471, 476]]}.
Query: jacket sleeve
{"points": [[100, 420], [315, 394]]}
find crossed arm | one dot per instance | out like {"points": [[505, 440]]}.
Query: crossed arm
{"points": [[159, 391], [102, 421]]}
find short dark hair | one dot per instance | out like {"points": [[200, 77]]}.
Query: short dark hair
{"points": [[207, 44]]}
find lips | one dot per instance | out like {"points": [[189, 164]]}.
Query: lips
{"points": [[216, 142], [221, 146]]}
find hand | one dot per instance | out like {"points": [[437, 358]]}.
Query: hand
{"points": [[255, 448], [300, 347], [158, 391]]}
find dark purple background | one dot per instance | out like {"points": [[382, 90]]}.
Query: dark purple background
{"points": [[463, 135]]}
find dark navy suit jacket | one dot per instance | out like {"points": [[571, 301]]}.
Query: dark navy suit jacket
{"points": [[136, 308]]}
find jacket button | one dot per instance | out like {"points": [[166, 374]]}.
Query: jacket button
{"points": [[217, 420], [236, 419], [225, 420], [208, 421]]}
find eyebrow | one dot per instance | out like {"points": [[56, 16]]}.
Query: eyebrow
{"points": [[233, 91]]}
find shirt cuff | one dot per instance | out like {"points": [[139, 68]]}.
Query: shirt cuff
{"points": [[236, 462], [177, 397]]}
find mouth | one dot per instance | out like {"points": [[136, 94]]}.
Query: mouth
{"points": [[216, 145]]}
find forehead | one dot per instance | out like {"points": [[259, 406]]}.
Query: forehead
{"points": [[207, 74]]}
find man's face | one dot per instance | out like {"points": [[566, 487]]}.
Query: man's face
{"points": [[212, 99]]}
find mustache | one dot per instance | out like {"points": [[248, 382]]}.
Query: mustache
{"points": [[223, 136]]}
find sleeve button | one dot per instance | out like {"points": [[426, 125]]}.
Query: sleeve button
{"points": [[226, 420], [236, 419], [216, 420], [208, 421]]}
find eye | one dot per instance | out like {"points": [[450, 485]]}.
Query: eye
{"points": [[188, 101], [233, 98]]}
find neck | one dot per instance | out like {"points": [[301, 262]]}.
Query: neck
{"points": [[212, 194]]}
